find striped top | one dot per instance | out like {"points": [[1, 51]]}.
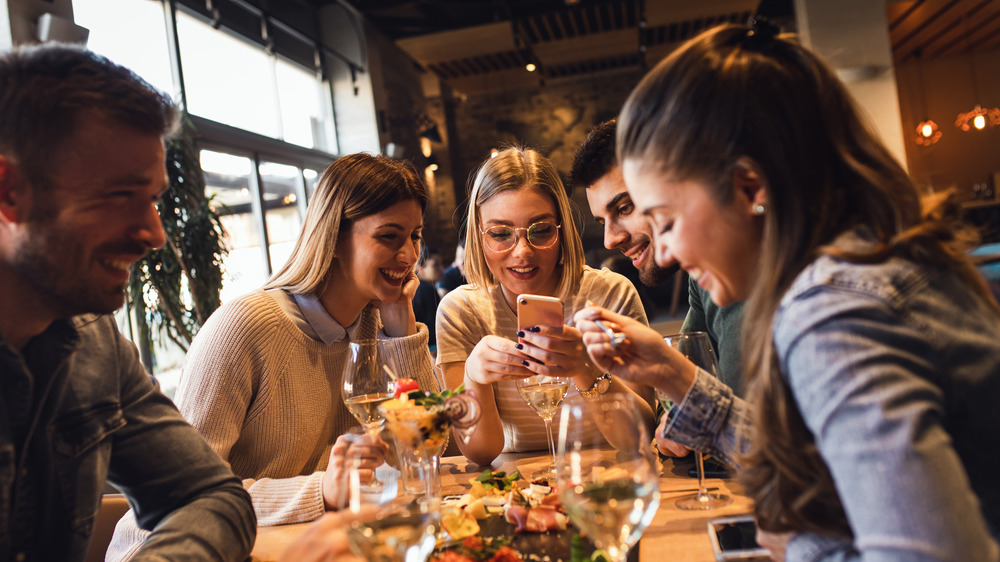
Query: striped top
{"points": [[467, 314]]}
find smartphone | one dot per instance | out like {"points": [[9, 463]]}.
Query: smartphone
{"points": [[735, 538], [537, 310]]}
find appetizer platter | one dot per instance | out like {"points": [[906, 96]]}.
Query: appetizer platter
{"points": [[504, 517]]}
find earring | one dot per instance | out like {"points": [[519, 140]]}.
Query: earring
{"points": [[759, 209]]}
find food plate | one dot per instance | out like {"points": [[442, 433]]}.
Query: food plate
{"points": [[551, 546]]}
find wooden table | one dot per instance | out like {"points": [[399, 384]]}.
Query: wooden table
{"points": [[675, 534]]}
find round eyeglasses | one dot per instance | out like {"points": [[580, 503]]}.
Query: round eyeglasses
{"points": [[540, 235]]}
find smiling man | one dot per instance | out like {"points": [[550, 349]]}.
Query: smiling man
{"points": [[596, 169], [81, 170]]}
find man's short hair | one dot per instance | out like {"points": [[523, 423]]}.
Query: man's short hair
{"points": [[596, 156], [46, 88]]}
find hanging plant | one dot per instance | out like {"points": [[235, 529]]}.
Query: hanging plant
{"points": [[176, 288]]}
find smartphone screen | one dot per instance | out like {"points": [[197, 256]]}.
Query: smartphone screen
{"points": [[735, 538]]}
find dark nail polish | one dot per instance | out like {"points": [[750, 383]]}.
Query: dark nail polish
{"points": [[523, 362], [520, 334], [518, 346], [535, 329]]}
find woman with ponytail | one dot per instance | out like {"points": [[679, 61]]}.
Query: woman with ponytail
{"points": [[870, 340]]}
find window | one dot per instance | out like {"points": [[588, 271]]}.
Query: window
{"points": [[229, 181], [306, 113], [226, 79], [284, 209], [117, 26], [312, 179]]}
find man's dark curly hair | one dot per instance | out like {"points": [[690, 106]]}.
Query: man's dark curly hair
{"points": [[596, 156]]}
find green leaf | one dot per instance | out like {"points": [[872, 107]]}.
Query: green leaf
{"points": [[600, 556]]}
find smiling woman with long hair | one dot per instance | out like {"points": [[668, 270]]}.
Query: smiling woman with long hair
{"points": [[870, 340], [262, 379]]}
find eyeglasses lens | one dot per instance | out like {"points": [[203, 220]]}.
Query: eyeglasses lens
{"points": [[541, 235]]}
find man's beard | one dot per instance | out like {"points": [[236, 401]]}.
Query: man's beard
{"points": [[654, 275]]}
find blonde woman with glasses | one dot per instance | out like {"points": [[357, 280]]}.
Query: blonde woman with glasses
{"points": [[521, 238]]}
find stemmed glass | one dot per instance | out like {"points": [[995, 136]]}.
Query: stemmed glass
{"points": [[544, 395], [607, 480], [390, 527], [697, 347], [367, 382]]}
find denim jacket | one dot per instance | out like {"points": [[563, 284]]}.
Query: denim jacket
{"points": [[895, 369], [78, 409]]}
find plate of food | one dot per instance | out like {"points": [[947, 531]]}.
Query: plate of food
{"points": [[504, 517]]}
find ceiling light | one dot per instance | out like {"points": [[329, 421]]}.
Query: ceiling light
{"points": [[530, 67], [927, 130], [927, 133], [978, 118]]}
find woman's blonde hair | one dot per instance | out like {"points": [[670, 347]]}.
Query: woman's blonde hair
{"points": [[512, 169], [733, 95], [353, 187]]}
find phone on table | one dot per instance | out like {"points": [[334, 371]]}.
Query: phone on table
{"points": [[735, 538], [538, 310]]}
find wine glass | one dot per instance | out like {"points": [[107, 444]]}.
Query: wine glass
{"points": [[390, 526], [544, 395], [608, 481], [368, 381], [698, 349]]}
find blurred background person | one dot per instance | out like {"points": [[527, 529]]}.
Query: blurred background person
{"points": [[426, 299], [454, 276]]}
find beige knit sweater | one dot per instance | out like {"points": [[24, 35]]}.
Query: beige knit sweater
{"points": [[267, 398]]}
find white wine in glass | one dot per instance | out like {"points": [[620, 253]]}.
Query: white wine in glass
{"points": [[608, 481], [544, 395], [366, 382], [697, 347], [365, 409]]}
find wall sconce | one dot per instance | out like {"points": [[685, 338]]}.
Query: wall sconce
{"points": [[432, 163]]}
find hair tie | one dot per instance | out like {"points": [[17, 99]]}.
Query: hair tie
{"points": [[761, 32]]}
